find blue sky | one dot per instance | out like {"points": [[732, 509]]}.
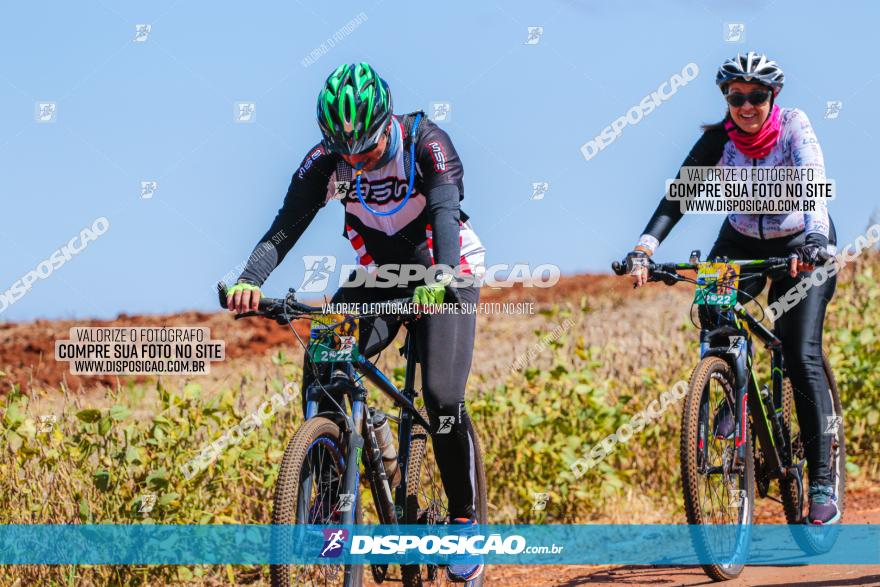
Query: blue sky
{"points": [[162, 110]]}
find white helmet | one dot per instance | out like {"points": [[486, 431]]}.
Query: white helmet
{"points": [[752, 67]]}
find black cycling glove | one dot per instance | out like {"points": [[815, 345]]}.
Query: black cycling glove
{"points": [[815, 249], [636, 259]]}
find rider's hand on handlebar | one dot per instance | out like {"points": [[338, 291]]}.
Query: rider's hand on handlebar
{"points": [[243, 297], [813, 253], [637, 265], [432, 293]]}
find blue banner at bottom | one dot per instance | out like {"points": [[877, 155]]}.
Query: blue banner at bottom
{"points": [[493, 544]]}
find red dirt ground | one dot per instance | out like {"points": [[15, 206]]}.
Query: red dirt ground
{"points": [[27, 350]]}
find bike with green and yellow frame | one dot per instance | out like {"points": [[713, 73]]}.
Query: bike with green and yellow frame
{"points": [[720, 475]]}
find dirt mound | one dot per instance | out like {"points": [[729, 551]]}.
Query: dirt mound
{"points": [[27, 350]]}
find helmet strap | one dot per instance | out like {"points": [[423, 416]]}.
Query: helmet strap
{"points": [[392, 146]]}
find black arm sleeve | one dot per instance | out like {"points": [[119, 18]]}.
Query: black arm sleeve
{"points": [[445, 216], [705, 153], [305, 196], [443, 185]]}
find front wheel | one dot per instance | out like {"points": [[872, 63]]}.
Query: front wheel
{"points": [[814, 540], [719, 492], [426, 501], [307, 492]]}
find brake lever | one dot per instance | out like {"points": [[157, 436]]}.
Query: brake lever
{"points": [[248, 314], [666, 277]]}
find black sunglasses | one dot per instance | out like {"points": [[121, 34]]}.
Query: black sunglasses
{"points": [[755, 98]]}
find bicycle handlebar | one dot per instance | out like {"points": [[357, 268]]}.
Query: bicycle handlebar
{"points": [[270, 305], [656, 270], [279, 309]]}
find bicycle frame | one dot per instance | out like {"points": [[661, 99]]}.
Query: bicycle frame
{"points": [[359, 431], [765, 409]]}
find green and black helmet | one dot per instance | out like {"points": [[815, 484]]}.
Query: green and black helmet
{"points": [[354, 108]]}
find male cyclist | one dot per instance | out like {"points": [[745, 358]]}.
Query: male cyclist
{"points": [[757, 132], [404, 181]]}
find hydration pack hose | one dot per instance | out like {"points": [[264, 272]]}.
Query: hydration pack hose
{"points": [[412, 167]]}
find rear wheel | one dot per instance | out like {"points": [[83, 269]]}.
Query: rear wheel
{"points": [[426, 501], [718, 494], [307, 492], [794, 501]]}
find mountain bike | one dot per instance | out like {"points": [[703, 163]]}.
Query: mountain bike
{"points": [[720, 475], [320, 474]]}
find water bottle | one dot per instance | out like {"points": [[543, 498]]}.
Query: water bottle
{"points": [[385, 442]]}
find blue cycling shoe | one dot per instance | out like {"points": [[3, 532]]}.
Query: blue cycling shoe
{"points": [[465, 568]]}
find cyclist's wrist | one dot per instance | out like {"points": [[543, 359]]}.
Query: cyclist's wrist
{"points": [[440, 280], [647, 243]]}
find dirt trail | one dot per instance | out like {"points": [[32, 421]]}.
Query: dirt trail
{"points": [[753, 576]]}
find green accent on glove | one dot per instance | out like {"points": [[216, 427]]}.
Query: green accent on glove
{"points": [[242, 286], [428, 295], [433, 293]]}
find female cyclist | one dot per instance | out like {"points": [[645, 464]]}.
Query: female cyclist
{"points": [[758, 132]]}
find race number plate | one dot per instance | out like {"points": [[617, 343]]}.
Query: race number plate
{"points": [[333, 339], [716, 284]]}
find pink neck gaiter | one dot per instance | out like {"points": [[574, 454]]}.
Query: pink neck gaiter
{"points": [[758, 145]]}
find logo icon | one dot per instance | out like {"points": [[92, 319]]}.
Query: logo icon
{"points": [[141, 32], [540, 503], [148, 189], [317, 275], [734, 32], [733, 348], [438, 156], [445, 425], [832, 109], [245, 112], [334, 540], [832, 424], [535, 33], [46, 423], [341, 189], [440, 111], [46, 112], [346, 502], [738, 498], [148, 502], [539, 190]]}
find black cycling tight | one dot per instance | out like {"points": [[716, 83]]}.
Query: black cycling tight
{"points": [[445, 345]]}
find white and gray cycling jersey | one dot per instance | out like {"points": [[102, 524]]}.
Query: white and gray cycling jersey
{"points": [[797, 147]]}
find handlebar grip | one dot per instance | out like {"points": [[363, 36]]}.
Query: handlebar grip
{"points": [[618, 267], [265, 303]]}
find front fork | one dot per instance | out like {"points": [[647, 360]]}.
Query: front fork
{"points": [[740, 360], [737, 354], [354, 421]]}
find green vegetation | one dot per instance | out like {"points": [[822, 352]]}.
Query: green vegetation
{"points": [[98, 465]]}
